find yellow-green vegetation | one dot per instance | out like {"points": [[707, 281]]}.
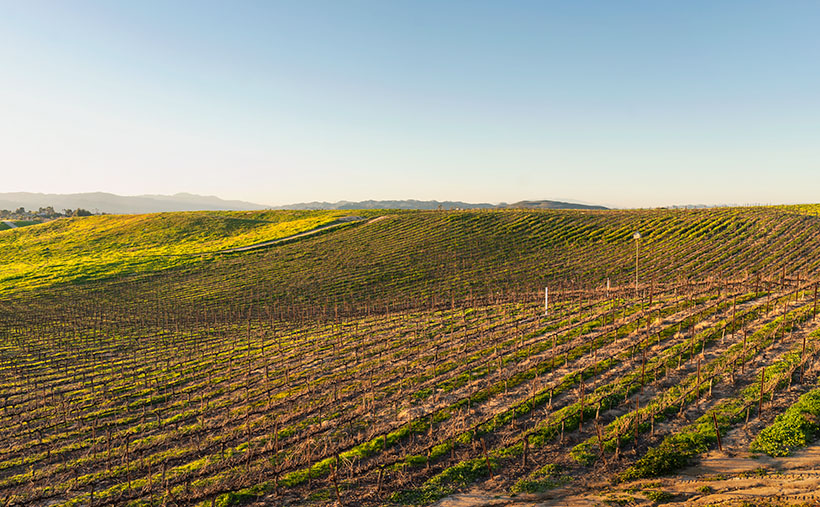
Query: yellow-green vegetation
{"points": [[105, 246], [792, 429], [397, 360], [658, 496], [804, 209], [18, 223], [548, 477]]}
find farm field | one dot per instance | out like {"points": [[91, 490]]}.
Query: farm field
{"points": [[112, 246], [406, 359]]}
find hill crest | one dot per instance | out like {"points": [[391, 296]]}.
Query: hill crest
{"points": [[430, 205]]}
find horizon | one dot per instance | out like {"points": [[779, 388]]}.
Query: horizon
{"points": [[411, 199], [634, 105]]}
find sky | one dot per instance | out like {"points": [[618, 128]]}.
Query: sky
{"points": [[627, 104]]}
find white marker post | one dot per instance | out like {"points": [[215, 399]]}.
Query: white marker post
{"points": [[636, 236], [546, 301], [607, 287]]}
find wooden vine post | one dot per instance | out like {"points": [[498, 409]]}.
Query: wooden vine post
{"points": [[803, 353], [486, 457], [600, 442], [336, 482], [636, 421], [581, 419], [717, 431], [643, 367]]}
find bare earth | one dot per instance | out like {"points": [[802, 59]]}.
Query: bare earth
{"points": [[730, 477]]}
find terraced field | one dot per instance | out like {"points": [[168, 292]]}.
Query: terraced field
{"points": [[402, 358]]}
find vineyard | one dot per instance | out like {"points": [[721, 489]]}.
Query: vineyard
{"points": [[404, 357]]}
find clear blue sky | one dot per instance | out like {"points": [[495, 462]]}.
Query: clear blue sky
{"points": [[624, 103]]}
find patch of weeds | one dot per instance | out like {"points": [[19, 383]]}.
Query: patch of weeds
{"points": [[234, 498], [320, 495], [658, 496], [544, 479], [705, 489], [757, 472], [792, 429], [446, 482], [618, 501], [423, 394], [717, 477]]}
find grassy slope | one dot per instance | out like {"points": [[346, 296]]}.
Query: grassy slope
{"points": [[410, 258], [416, 257], [792, 429], [415, 254], [77, 249]]}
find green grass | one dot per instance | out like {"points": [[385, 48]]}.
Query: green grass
{"points": [[106, 246], [658, 496], [19, 223], [548, 477], [450, 480], [793, 429]]}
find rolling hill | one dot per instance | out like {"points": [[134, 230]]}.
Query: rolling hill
{"points": [[404, 357]]}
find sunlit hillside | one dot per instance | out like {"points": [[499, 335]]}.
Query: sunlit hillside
{"points": [[404, 357], [105, 246]]}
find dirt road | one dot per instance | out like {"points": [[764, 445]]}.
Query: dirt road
{"points": [[338, 223]]}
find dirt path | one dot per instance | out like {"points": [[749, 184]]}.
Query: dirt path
{"points": [[338, 223], [11, 224]]}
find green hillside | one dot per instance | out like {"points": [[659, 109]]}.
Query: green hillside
{"points": [[399, 359], [415, 259], [106, 246]]}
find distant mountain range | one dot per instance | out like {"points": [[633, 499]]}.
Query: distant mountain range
{"points": [[414, 204], [118, 204], [102, 202]]}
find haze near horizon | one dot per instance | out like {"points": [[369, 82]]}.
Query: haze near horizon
{"points": [[634, 104]]}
